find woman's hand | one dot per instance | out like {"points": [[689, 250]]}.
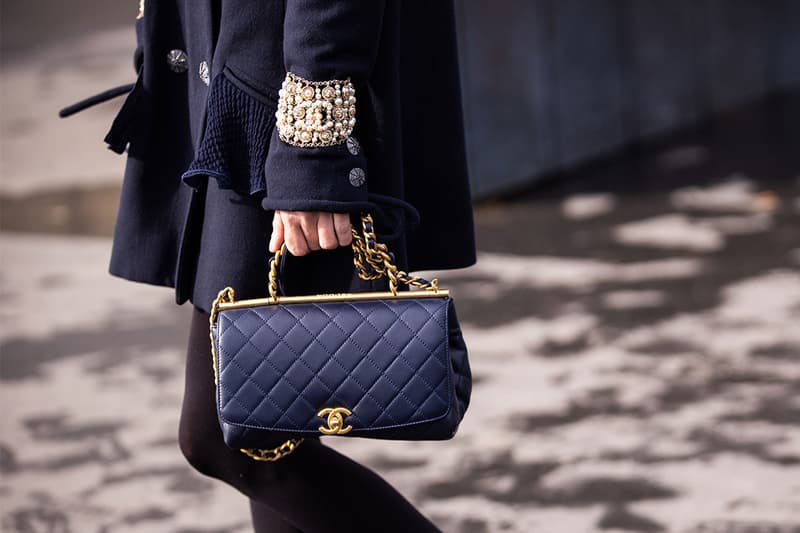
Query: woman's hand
{"points": [[305, 231]]}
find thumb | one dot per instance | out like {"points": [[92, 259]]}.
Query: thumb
{"points": [[276, 240]]}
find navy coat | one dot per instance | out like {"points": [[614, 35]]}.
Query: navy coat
{"points": [[205, 165]]}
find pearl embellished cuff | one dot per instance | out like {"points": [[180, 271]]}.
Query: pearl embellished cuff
{"points": [[315, 113]]}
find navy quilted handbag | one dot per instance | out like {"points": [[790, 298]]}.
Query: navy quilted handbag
{"points": [[387, 365]]}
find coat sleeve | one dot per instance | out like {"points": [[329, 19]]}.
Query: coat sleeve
{"points": [[324, 40]]}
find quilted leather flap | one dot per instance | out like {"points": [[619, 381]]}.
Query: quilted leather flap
{"points": [[386, 361]]}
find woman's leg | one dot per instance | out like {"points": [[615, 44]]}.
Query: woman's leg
{"points": [[265, 520], [315, 489]]}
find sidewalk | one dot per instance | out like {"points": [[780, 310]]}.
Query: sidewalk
{"points": [[653, 389]]}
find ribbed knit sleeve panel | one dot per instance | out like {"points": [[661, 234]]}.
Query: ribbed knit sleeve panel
{"points": [[239, 124]]}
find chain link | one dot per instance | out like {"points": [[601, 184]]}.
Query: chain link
{"points": [[225, 295], [373, 260], [273, 454], [272, 282]]}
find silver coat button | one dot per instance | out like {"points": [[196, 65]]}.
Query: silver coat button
{"points": [[358, 177], [204, 72], [353, 145], [177, 60]]}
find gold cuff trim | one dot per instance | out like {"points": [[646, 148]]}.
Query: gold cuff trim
{"points": [[315, 113]]}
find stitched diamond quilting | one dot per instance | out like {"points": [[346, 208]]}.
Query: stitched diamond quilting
{"points": [[386, 361]]}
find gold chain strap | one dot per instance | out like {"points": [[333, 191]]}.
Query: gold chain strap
{"points": [[226, 295], [372, 260], [267, 455], [273, 273], [274, 454]]}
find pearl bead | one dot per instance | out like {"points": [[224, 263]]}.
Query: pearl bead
{"points": [[315, 113]]}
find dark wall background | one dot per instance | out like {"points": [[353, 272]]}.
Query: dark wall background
{"points": [[550, 84]]}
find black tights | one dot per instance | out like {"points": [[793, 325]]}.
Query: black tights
{"points": [[313, 490]]}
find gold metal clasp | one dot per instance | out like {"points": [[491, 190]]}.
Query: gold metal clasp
{"points": [[335, 421]]}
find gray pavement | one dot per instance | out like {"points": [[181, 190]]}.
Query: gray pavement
{"points": [[649, 389], [633, 332]]}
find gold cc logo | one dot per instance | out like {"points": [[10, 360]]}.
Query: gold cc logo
{"points": [[335, 420]]}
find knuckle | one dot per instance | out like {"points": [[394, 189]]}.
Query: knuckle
{"points": [[292, 218], [312, 241], [297, 248], [328, 241]]}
